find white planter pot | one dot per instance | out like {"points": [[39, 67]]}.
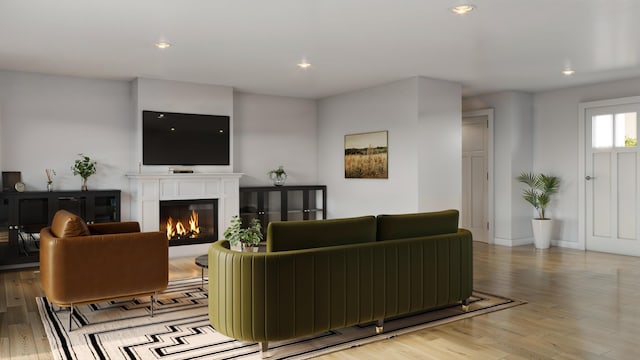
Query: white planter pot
{"points": [[542, 232]]}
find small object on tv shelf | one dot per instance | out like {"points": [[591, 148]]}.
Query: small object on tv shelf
{"points": [[278, 176], [9, 180], [19, 186]]}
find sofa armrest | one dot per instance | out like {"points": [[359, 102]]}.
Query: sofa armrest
{"points": [[97, 267]]}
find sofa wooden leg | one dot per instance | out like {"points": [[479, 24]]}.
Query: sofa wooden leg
{"points": [[264, 346], [465, 305], [380, 326]]}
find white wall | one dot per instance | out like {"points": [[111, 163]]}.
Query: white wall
{"points": [[513, 153], [389, 107], [180, 97], [47, 120], [416, 112], [272, 131], [439, 145], [556, 144]]}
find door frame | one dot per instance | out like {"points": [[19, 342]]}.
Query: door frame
{"points": [[583, 107], [490, 197]]}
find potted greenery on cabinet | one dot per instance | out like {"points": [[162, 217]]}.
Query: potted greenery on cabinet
{"points": [[538, 194], [85, 168]]}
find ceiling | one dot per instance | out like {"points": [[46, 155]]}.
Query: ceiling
{"points": [[254, 45]]}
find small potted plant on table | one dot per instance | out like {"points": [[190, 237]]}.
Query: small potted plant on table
{"points": [[248, 237]]}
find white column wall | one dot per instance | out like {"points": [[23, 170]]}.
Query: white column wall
{"points": [[272, 131], [391, 107], [180, 97], [423, 117], [439, 145]]}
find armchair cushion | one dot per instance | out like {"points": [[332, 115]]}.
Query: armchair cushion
{"points": [[67, 224]]}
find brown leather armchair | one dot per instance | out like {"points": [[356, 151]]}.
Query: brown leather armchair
{"points": [[82, 263]]}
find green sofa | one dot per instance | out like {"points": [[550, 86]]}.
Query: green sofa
{"points": [[320, 275]]}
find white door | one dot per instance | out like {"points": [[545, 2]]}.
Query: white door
{"points": [[612, 162], [474, 213]]}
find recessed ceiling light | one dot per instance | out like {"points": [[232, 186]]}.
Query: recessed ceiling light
{"points": [[163, 45], [304, 64], [568, 72], [463, 9]]}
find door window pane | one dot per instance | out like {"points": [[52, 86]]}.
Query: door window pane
{"points": [[626, 130], [602, 128]]}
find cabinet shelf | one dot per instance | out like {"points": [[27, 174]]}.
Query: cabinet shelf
{"points": [[282, 203]]}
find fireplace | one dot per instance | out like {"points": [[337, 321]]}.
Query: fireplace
{"points": [[188, 222]]}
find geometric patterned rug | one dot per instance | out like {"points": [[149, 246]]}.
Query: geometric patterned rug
{"points": [[180, 329]]}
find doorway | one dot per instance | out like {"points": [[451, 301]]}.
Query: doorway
{"points": [[476, 214], [610, 176]]}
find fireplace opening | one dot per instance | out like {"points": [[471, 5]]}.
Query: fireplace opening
{"points": [[188, 222]]}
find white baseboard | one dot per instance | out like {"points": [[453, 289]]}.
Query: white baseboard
{"points": [[512, 242], [567, 244], [527, 241]]}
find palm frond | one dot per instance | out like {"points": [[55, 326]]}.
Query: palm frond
{"points": [[541, 187]]}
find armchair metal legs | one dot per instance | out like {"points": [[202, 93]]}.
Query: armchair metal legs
{"points": [[70, 316], [154, 298]]}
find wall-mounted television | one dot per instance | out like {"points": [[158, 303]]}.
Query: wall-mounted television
{"points": [[184, 139]]}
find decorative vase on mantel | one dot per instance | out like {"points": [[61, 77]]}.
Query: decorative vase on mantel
{"points": [[49, 186], [84, 185]]}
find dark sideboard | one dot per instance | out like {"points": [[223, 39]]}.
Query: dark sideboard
{"points": [[23, 214], [283, 203]]}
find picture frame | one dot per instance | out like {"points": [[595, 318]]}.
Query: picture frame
{"points": [[366, 155]]}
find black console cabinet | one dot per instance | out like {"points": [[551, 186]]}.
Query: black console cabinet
{"points": [[283, 203], [23, 214]]}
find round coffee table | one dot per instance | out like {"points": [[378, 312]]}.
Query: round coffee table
{"points": [[203, 262]]}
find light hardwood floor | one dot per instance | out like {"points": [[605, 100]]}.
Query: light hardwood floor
{"points": [[581, 305]]}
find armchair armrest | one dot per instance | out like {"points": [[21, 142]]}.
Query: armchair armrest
{"points": [[114, 228]]}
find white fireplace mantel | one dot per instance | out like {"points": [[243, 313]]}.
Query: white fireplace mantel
{"points": [[147, 190]]}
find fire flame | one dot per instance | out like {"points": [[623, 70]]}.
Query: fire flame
{"points": [[180, 229]]}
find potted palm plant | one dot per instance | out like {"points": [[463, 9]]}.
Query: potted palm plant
{"points": [[248, 237], [538, 194]]}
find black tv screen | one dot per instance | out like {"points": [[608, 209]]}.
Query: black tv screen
{"points": [[184, 139]]}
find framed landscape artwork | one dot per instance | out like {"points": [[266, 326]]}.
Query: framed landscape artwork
{"points": [[366, 155]]}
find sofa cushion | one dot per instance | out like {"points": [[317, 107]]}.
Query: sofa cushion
{"points": [[295, 235], [392, 227], [67, 224]]}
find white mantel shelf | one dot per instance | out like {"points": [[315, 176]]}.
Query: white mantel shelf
{"points": [[148, 189], [183, 175]]}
